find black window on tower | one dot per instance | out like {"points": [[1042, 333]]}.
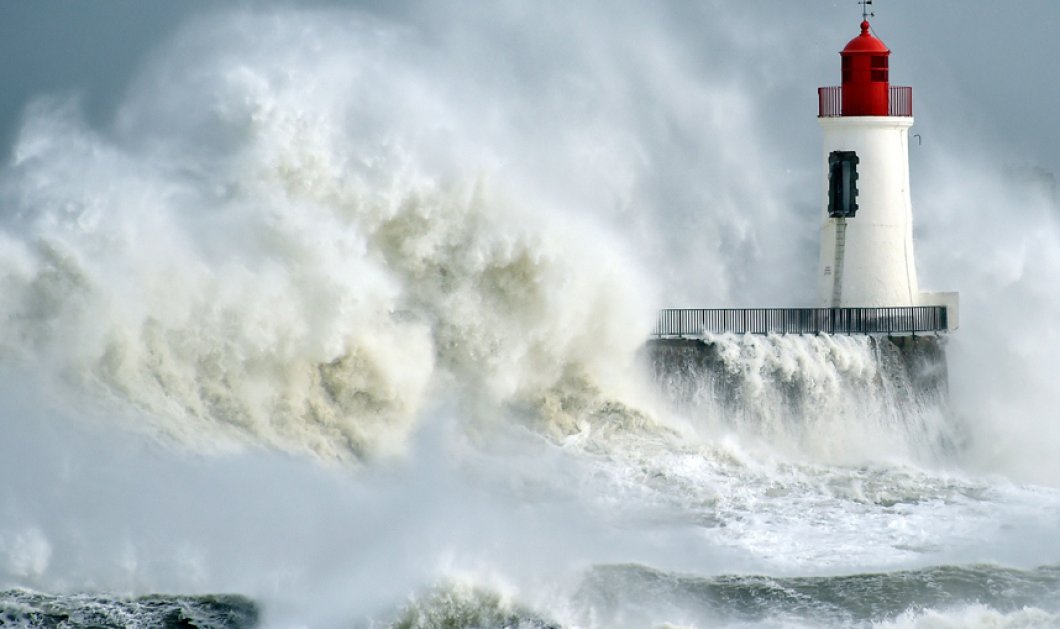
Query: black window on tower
{"points": [[879, 69], [842, 184]]}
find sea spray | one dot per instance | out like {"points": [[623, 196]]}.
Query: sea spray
{"points": [[258, 266], [1003, 357], [837, 399]]}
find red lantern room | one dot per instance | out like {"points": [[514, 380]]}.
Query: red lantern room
{"points": [[865, 79], [866, 89]]}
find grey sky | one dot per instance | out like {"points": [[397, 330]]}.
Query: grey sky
{"points": [[989, 64]]}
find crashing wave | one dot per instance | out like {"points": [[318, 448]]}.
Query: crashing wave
{"points": [[307, 273]]}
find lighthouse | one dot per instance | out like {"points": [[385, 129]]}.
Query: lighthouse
{"points": [[866, 254], [866, 277], [867, 219]]}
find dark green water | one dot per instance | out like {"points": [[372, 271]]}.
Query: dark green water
{"points": [[620, 595]]}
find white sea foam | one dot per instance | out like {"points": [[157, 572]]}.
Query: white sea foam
{"points": [[265, 249], [973, 617], [823, 399]]}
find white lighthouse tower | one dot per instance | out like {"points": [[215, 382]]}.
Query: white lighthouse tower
{"points": [[867, 228], [867, 219], [866, 278]]}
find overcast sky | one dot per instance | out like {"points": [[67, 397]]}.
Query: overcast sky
{"points": [[991, 64]]}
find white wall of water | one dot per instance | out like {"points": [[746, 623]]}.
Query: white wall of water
{"points": [[847, 400], [287, 245]]}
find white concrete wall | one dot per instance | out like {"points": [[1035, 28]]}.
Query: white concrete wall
{"points": [[949, 299], [878, 267]]}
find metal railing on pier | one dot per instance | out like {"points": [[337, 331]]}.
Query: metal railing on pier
{"points": [[890, 320]]}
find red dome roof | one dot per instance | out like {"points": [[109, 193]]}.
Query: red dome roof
{"points": [[865, 43]]}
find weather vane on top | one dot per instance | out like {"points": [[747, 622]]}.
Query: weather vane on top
{"points": [[865, 13]]}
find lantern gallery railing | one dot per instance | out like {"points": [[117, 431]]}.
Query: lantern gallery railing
{"points": [[894, 320], [900, 101], [830, 101]]}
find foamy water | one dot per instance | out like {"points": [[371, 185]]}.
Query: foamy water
{"points": [[318, 322]]}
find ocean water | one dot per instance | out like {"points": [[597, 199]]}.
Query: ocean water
{"points": [[327, 329]]}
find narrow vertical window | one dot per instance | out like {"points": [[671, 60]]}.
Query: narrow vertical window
{"points": [[842, 184], [879, 70]]}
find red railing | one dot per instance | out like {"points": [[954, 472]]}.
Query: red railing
{"points": [[900, 101], [830, 102]]}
